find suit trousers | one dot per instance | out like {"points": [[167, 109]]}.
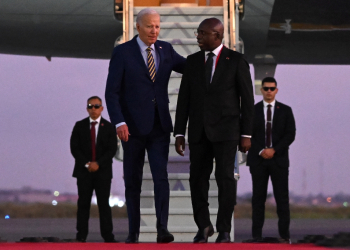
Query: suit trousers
{"points": [[157, 145], [102, 188], [279, 178], [201, 157]]}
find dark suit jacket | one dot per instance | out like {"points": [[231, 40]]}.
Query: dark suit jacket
{"points": [[283, 134], [130, 90], [217, 109], [106, 147]]}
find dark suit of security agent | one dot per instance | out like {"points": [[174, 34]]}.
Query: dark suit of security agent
{"points": [[216, 98], [273, 133], [138, 104], [93, 168]]}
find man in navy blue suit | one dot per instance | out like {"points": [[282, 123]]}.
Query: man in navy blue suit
{"points": [[138, 105]]}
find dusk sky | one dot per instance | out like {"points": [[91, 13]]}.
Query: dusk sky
{"points": [[42, 100]]}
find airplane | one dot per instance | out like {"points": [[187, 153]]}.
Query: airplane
{"points": [[289, 32]]}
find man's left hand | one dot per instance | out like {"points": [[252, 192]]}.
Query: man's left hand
{"points": [[245, 144], [93, 167], [268, 153]]}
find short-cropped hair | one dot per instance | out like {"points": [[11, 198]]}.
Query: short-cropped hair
{"points": [[268, 79], [94, 97]]}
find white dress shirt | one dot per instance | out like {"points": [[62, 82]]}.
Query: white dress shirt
{"points": [[96, 131], [96, 125], [273, 103], [216, 53]]}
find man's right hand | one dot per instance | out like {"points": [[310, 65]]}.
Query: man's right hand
{"points": [[180, 145], [123, 132]]}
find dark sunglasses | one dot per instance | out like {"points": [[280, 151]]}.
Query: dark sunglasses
{"points": [[269, 88], [96, 106]]}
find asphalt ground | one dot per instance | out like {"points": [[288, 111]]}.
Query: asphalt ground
{"points": [[13, 230]]}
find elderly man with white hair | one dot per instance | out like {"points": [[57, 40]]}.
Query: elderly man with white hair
{"points": [[138, 105]]}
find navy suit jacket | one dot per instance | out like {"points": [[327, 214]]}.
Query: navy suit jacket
{"points": [[130, 90], [283, 134]]}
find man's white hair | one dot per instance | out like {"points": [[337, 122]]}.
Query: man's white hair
{"points": [[147, 11]]}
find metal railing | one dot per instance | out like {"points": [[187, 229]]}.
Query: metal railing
{"points": [[128, 20]]}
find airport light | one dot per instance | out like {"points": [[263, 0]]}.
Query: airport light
{"points": [[7, 217], [54, 202], [56, 193], [120, 203]]}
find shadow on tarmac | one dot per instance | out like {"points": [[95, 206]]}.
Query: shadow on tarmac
{"points": [[13, 230]]}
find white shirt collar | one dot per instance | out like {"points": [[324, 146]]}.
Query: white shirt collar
{"points": [[272, 103], [215, 51], [97, 120], [142, 45]]}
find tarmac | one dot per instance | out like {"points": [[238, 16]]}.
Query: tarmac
{"points": [[12, 230]]}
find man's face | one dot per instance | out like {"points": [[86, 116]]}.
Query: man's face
{"points": [[207, 38], [149, 28], [267, 92], [94, 108]]}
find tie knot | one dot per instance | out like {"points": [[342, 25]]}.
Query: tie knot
{"points": [[269, 106], [94, 123], [210, 54], [149, 49]]}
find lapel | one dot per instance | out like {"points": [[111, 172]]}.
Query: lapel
{"points": [[138, 56], [200, 69], [101, 130], [221, 67], [276, 114], [260, 116], [86, 131], [159, 50]]}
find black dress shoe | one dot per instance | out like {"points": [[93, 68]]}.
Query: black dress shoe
{"points": [[164, 236], [223, 237], [202, 235], [132, 238], [254, 240], [82, 240], [111, 241]]}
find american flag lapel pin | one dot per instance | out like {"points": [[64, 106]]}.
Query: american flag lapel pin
{"points": [[160, 47], [227, 58], [102, 124], [278, 107]]}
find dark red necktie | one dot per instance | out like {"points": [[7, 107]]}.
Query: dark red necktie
{"points": [[93, 141], [268, 127]]}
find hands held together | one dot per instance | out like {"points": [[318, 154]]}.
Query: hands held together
{"points": [[267, 153]]}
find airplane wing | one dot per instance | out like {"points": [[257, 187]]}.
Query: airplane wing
{"points": [[298, 31], [58, 28], [292, 32]]}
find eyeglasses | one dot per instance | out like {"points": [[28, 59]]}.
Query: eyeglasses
{"points": [[203, 33], [96, 106], [269, 88]]}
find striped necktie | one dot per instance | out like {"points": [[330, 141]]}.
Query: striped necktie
{"points": [[151, 65]]}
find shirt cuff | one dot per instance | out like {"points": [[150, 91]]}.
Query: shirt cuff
{"points": [[248, 136], [261, 151], [178, 135], [120, 124]]}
